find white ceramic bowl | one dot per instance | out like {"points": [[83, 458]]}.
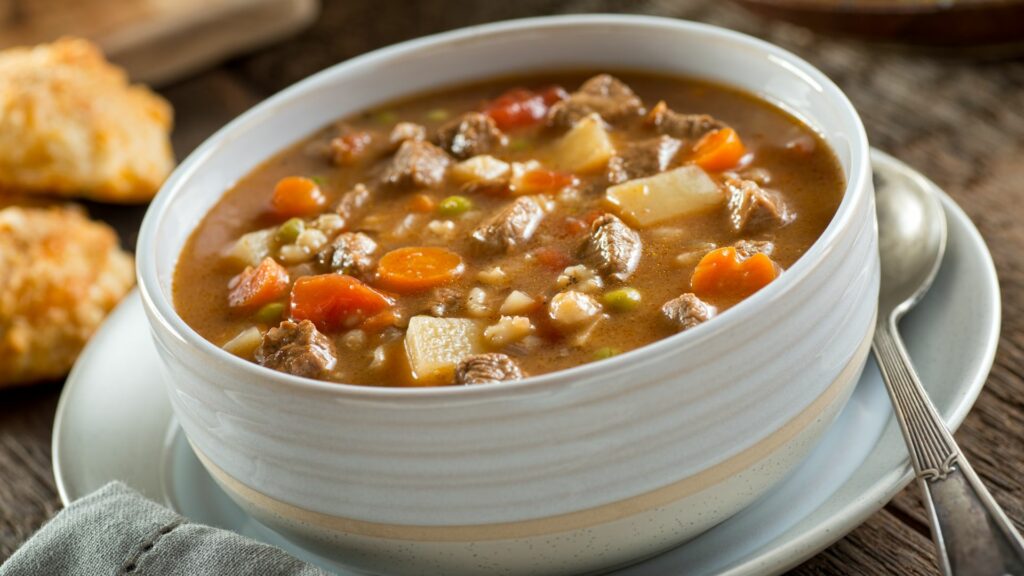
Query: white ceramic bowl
{"points": [[575, 471]]}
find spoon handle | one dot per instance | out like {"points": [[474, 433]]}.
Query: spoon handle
{"points": [[972, 534]]}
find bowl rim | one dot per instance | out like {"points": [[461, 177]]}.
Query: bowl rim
{"points": [[161, 310]]}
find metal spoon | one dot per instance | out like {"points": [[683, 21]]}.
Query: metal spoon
{"points": [[972, 534]]}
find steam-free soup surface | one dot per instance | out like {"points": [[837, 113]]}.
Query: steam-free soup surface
{"points": [[505, 229]]}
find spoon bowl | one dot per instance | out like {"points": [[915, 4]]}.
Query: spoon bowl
{"points": [[911, 241]]}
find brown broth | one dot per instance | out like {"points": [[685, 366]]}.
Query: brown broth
{"points": [[810, 181]]}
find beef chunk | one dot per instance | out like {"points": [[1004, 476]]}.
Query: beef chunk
{"points": [[349, 253], [298, 349], [406, 131], [686, 311], [417, 164], [753, 209], [352, 203], [613, 248], [487, 368], [510, 228], [682, 126], [470, 135], [444, 301], [644, 158], [604, 94], [747, 248]]}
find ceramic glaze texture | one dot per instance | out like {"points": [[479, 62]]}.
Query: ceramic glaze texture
{"points": [[682, 432]]}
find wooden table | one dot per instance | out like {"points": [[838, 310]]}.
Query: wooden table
{"points": [[958, 120]]}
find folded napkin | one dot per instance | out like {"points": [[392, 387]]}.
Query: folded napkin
{"points": [[118, 532]]}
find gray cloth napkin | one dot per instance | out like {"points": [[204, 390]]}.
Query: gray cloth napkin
{"points": [[116, 531]]}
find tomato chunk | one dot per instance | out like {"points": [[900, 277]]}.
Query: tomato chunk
{"points": [[333, 301], [520, 107], [417, 268], [722, 274], [297, 196], [257, 286]]}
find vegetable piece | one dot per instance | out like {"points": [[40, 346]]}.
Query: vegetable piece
{"points": [[719, 150], [483, 168], [454, 206], [622, 299], [290, 230], [245, 343], [436, 345], [722, 273], [385, 117], [257, 286], [437, 115], [250, 249], [605, 353], [421, 203], [379, 321], [270, 313], [538, 180], [517, 302], [553, 258], [520, 107], [682, 191], [417, 268], [297, 196], [333, 301], [584, 148]]}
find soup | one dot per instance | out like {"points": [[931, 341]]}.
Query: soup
{"points": [[507, 228]]}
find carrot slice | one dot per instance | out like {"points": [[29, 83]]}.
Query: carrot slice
{"points": [[257, 286], [379, 321], [719, 150], [297, 196], [722, 274], [542, 181], [422, 203], [417, 268], [333, 301], [552, 258]]}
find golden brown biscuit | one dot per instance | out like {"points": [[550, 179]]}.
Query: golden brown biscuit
{"points": [[60, 273], [71, 125]]}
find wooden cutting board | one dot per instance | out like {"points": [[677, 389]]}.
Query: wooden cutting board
{"points": [[157, 41]]}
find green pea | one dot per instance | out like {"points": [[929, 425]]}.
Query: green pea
{"points": [[318, 179], [519, 144], [386, 117], [271, 313], [622, 299], [605, 353], [438, 115], [290, 230], [454, 205]]}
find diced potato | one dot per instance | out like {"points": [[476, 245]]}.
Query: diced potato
{"points": [[482, 168], [646, 201], [436, 345], [517, 302], [584, 148], [250, 249], [245, 343]]}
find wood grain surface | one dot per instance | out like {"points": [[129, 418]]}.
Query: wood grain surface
{"points": [[959, 120]]}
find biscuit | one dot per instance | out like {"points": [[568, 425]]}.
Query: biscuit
{"points": [[71, 125], [60, 274]]}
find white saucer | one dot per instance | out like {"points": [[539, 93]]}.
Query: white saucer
{"points": [[114, 422]]}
